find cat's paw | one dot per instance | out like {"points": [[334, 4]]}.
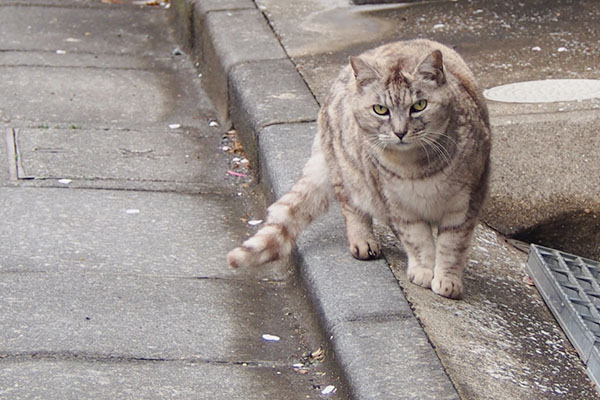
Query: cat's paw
{"points": [[448, 286], [365, 249], [420, 276]]}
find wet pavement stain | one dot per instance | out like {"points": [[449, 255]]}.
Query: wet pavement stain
{"points": [[576, 232], [500, 341]]}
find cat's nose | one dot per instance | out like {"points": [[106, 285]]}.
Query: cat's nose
{"points": [[400, 135]]}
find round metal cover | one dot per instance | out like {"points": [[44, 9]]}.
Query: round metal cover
{"points": [[545, 91]]}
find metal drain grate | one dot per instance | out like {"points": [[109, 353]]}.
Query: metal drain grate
{"points": [[570, 286]]}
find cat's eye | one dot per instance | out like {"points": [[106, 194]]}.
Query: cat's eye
{"points": [[380, 110], [419, 106]]}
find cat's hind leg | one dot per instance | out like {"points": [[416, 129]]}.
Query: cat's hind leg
{"points": [[359, 229]]}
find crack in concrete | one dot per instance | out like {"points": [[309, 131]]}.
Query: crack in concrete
{"points": [[50, 356]]}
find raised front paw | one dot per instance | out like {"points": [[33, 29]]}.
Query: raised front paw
{"points": [[448, 286], [420, 276], [365, 249]]}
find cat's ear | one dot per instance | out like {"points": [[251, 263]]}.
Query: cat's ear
{"points": [[364, 73], [432, 68]]}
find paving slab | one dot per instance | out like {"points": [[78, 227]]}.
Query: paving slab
{"points": [[89, 379], [230, 38], [184, 154], [58, 95], [76, 27], [62, 230], [148, 317], [369, 347], [256, 102], [284, 149]]}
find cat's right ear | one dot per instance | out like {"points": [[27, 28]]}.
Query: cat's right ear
{"points": [[364, 73]]}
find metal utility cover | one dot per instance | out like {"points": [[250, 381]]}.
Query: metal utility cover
{"points": [[545, 91], [570, 286]]}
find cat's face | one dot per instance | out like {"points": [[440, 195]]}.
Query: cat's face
{"points": [[402, 109]]}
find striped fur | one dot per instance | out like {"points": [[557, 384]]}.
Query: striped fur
{"points": [[421, 167]]}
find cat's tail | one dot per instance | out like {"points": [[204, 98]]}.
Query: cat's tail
{"points": [[287, 217]]}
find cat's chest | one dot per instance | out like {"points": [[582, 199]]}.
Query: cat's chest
{"points": [[426, 198]]}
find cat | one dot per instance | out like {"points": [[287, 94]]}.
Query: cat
{"points": [[403, 137]]}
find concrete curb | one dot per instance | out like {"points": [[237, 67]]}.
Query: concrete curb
{"points": [[380, 346]]}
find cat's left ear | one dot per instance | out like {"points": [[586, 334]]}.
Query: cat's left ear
{"points": [[432, 68]]}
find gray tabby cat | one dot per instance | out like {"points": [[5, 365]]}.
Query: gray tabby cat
{"points": [[404, 137]]}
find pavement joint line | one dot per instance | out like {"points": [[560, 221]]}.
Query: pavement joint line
{"points": [[89, 6], [278, 123], [50, 356], [12, 155], [18, 158], [176, 187], [88, 67], [233, 280]]}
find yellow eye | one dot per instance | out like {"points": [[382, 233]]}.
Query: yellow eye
{"points": [[419, 106], [380, 110]]}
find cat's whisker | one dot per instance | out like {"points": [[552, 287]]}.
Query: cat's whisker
{"points": [[438, 148], [426, 152]]}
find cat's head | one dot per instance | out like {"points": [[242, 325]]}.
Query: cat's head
{"points": [[404, 104]]}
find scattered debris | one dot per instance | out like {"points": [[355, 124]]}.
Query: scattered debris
{"points": [[239, 165], [255, 222], [213, 123], [536, 48], [72, 40], [317, 355], [239, 174], [61, 52], [239, 162], [328, 390], [561, 49], [528, 281], [177, 51], [271, 338], [174, 126], [438, 26], [154, 3], [132, 211], [65, 181]]}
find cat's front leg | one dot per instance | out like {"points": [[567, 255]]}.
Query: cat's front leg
{"points": [[417, 239], [359, 229], [452, 250]]}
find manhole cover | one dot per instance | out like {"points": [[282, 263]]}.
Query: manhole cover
{"points": [[570, 286], [545, 91]]}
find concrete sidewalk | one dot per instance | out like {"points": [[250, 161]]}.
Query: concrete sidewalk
{"points": [[116, 214], [270, 63]]}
